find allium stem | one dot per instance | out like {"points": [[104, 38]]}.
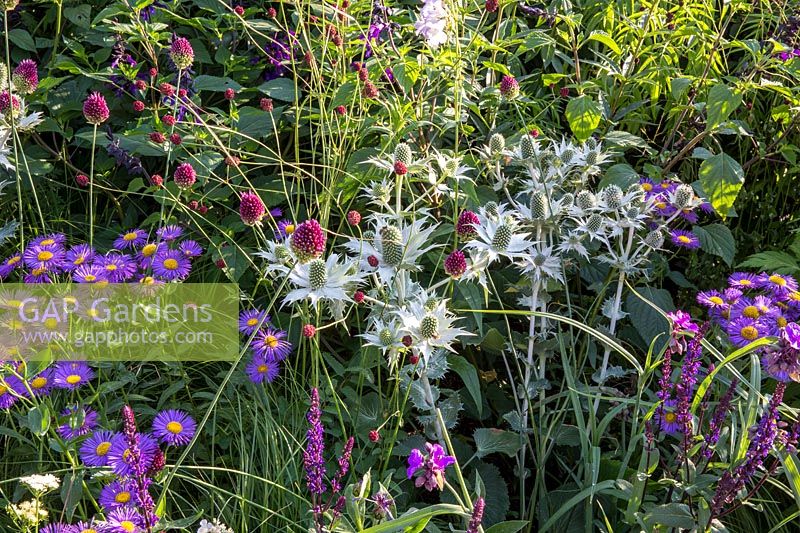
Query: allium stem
{"points": [[91, 187], [14, 132]]}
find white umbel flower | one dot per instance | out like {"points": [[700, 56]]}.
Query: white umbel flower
{"points": [[430, 325], [41, 483], [213, 527], [320, 280]]}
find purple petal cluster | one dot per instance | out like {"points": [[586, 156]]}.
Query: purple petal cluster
{"points": [[429, 467]]}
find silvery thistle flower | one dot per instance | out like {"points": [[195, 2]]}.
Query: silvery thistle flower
{"points": [[429, 325], [573, 243], [279, 257], [432, 23], [498, 237], [449, 168], [322, 280], [541, 264], [387, 336], [379, 193], [395, 248]]}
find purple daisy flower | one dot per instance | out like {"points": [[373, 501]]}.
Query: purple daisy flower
{"points": [[743, 280], [57, 527], [260, 370], [779, 284], [169, 233], [148, 253], [662, 206], [171, 265], [133, 238], [86, 527], [47, 257], [90, 274], [174, 427], [429, 468], [115, 495], [9, 265], [11, 388], [72, 374], [118, 267], [52, 239], [711, 299], [123, 520], [42, 383], [667, 417], [743, 330], [78, 255], [690, 216], [285, 228], [38, 275], [746, 307], [80, 421], [119, 452], [684, 239], [94, 450], [271, 344], [250, 319], [648, 185], [190, 249]]}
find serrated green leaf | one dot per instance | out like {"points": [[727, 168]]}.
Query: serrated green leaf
{"points": [[717, 239], [469, 376], [772, 261], [490, 440], [22, 38], [721, 178], [721, 103], [583, 115]]}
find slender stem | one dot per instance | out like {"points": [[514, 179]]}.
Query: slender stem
{"points": [[14, 132], [91, 188]]}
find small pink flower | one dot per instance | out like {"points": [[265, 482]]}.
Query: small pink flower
{"points": [[308, 240], [309, 331], [82, 180], [492, 5], [153, 72], [138, 106], [266, 104], [95, 109], [166, 89], [175, 139], [251, 208], [465, 227], [7, 102], [370, 90], [373, 261], [169, 120], [353, 218], [141, 85], [156, 181], [181, 53], [239, 10], [341, 110], [358, 297], [26, 76], [185, 176], [271, 13]]}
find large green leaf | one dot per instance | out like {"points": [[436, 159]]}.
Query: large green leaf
{"points": [[215, 83], [489, 440], [469, 376], [717, 239], [583, 115], [721, 103], [773, 261], [721, 178], [280, 89], [675, 515], [511, 526], [649, 323]]}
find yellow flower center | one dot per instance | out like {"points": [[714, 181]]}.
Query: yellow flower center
{"points": [[38, 382], [112, 267], [664, 185], [148, 280], [102, 449], [745, 282], [89, 530], [127, 525], [660, 205], [751, 311], [684, 239], [14, 303], [131, 236], [782, 322], [45, 255], [79, 260], [170, 264], [289, 229], [647, 187], [51, 323], [3, 390], [252, 322], [749, 333], [38, 271], [262, 369], [122, 497], [47, 242], [271, 341], [716, 300], [73, 379], [149, 250], [777, 280], [174, 427], [670, 417], [13, 261], [89, 277]]}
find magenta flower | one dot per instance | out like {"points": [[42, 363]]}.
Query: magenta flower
{"points": [[181, 53], [95, 109], [465, 227], [456, 264], [185, 176], [477, 516], [7, 102], [429, 468], [26, 76], [313, 459], [509, 87], [251, 208], [308, 241]]}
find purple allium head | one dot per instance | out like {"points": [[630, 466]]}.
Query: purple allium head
{"points": [[174, 427], [133, 238], [465, 227], [455, 264], [509, 87], [185, 176], [9, 104], [251, 208], [272, 344], [477, 516], [429, 468], [95, 109], [251, 319], [94, 450], [117, 494], [308, 241], [71, 375], [684, 239], [78, 421], [190, 249], [171, 265], [261, 369], [26, 76], [181, 53]]}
